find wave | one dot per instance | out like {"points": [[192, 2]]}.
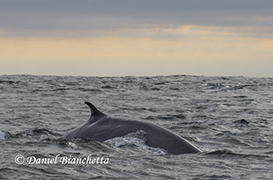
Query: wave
{"points": [[29, 133], [227, 152], [4, 135]]}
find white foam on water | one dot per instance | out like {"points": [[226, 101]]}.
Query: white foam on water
{"points": [[137, 138]]}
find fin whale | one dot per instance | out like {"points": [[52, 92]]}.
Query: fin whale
{"points": [[101, 127]]}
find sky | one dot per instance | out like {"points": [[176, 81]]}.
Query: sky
{"points": [[136, 37]]}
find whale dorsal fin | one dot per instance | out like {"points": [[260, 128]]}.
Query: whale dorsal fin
{"points": [[94, 110]]}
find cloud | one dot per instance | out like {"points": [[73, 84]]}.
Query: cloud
{"points": [[31, 16], [143, 37], [186, 42]]}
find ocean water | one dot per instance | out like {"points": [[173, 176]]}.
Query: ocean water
{"points": [[229, 118]]}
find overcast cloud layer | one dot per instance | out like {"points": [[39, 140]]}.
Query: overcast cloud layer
{"points": [[136, 37], [34, 16]]}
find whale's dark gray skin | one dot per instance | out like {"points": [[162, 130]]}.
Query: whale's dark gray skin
{"points": [[101, 127]]}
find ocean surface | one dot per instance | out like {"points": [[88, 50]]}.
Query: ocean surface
{"points": [[229, 118]]}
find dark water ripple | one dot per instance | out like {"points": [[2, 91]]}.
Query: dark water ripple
{"points": [[229, 118]]}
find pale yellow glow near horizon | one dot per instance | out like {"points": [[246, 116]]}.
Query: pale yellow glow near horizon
{"points": [[187, 46]]}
